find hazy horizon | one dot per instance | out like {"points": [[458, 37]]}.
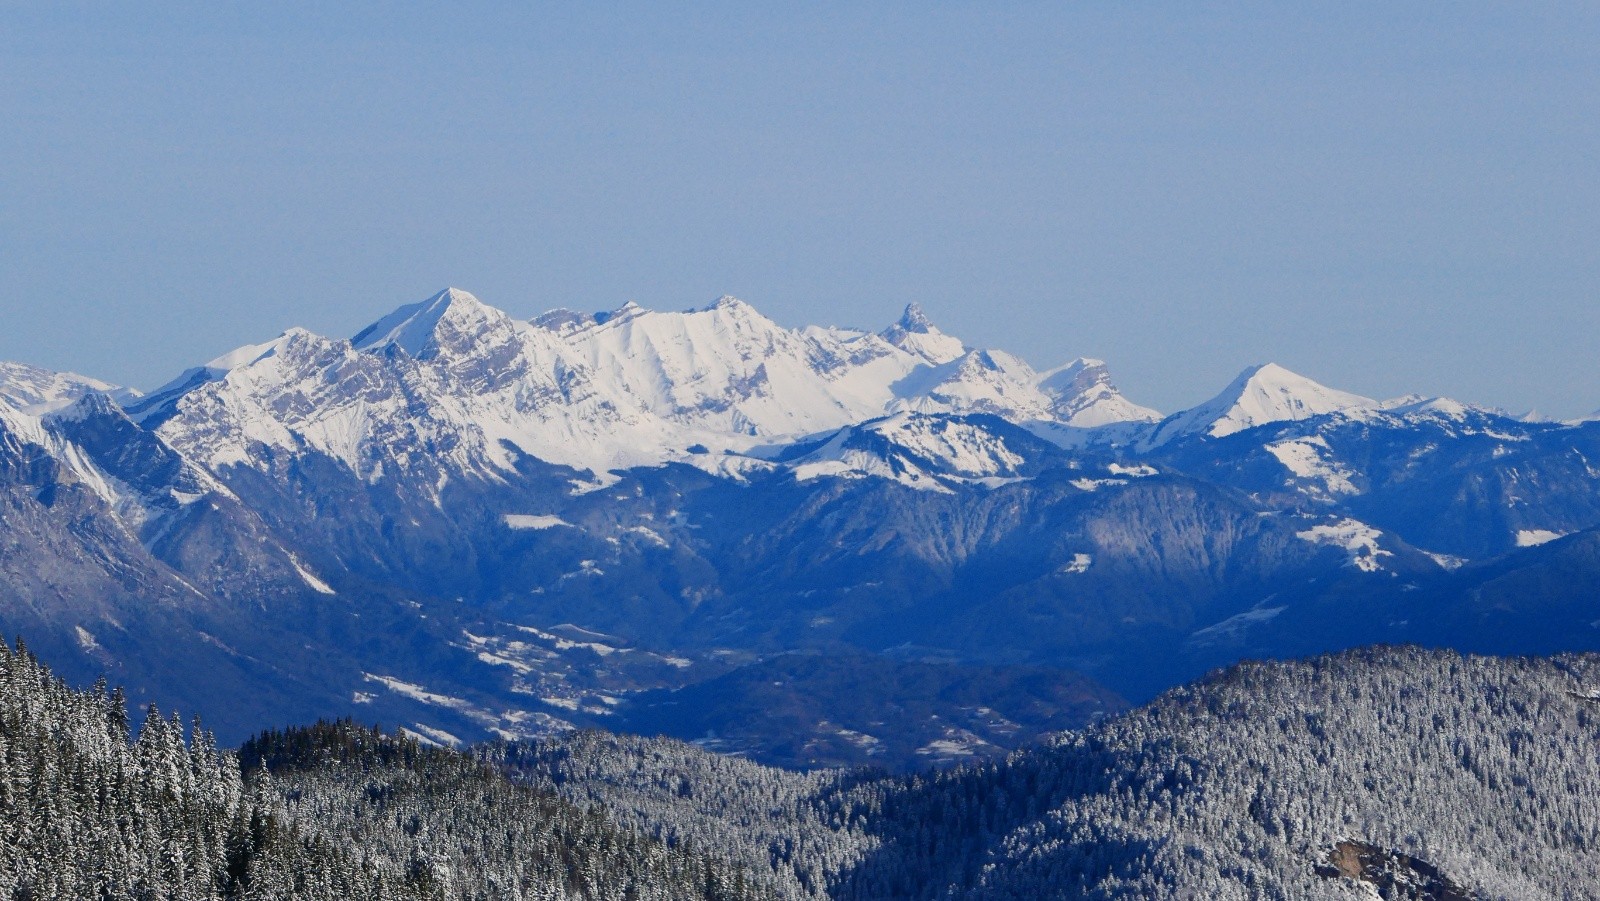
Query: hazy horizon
{"points": [[1387, 200]]}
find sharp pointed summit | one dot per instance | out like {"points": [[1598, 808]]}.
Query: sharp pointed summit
{"points": [[915, 319], [424, 329], [915, 333]]}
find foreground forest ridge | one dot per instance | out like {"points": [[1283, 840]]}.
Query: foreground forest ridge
{"points": [[1386, 772]]}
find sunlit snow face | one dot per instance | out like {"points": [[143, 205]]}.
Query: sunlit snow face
{"points": [[628, 388]]}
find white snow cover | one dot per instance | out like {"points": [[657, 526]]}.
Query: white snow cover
{"points": [[35, 391], [1356, 537], [1080, 564], [1437, 407], [915, 334], [1535, 537], [978, 381], [129, 505], [1260, 395], [913, 449], [536, 522], [1237, 624], [451, 384], [310, 578], [1310, 458], [1082, 396]]}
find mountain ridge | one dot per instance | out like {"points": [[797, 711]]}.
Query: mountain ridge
{"points": [[486, 526]]}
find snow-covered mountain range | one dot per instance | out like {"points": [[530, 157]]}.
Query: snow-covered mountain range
{"points": [[488, 525], [630, 387]]}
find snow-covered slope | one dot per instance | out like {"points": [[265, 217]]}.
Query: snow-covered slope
{"points": [[729, 375], [452, 385], [1260, 395], [95, 445], [1082, 396], [978, 381], [29, 389], [927, 452], [28, 436], [150, 409]]}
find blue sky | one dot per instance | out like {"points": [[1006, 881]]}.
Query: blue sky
{"points": [[1386, 197]]}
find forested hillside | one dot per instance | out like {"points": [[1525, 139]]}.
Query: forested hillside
{"points": [[329, 812], [1246, 785], [1396, 773], [1424, 774]]}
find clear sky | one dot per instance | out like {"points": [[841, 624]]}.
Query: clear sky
{"points": [[1386, 197]]}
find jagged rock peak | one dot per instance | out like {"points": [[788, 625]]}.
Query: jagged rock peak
{"points": [[916, 321], [915, 333], [1082, 394], [91, 405]]}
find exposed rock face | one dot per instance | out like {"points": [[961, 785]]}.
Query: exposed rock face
{"points": [[1396, 876]]}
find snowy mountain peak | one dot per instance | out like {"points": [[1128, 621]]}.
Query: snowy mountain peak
{"points": [[1275, 394], [1416, 405], [89, 406], [927, 452], [154, 408], [439, 323], [1083, 396], [915, 320], [596, 391], [1260, 395], [729, 303], [251, 353], [916, 334]]}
